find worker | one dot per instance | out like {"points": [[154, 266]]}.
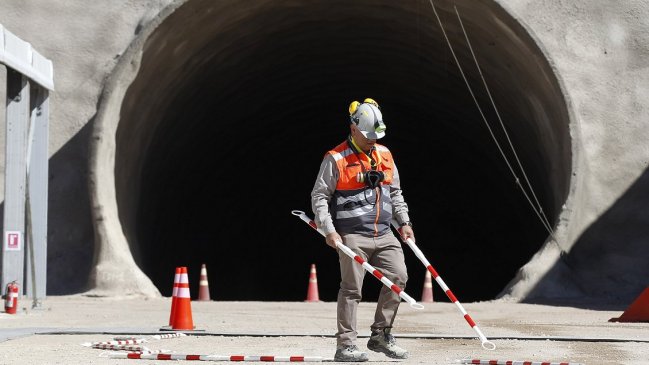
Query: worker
{"points": [[355, 196]]}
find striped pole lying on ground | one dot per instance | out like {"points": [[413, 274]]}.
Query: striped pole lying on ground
{"points": [[136, 341], [131, 348], [168, 335], [154, 337], [369, 268], [146, 352], [125, 338], [514, 362], [486, 344], [214, 357]]}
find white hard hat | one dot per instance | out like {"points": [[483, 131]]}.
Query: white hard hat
{"points": [[368, 118]]}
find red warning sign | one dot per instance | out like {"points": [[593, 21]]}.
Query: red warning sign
{"points": [[13, 241]]}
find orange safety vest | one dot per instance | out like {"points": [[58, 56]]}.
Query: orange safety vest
{"points": [[355, 207]]}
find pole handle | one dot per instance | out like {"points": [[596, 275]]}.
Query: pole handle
{"points": [[488, 345], [307, 220], [411, 301]]}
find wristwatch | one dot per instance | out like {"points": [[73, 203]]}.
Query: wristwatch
{"points": [[406, 224]]}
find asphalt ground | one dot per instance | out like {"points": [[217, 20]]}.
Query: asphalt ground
{"points": [[438, 334]]}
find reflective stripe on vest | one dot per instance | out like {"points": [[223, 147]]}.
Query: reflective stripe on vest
{"points": [[354, 207]]}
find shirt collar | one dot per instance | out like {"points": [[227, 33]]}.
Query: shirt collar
{"points": [[373, 161]]}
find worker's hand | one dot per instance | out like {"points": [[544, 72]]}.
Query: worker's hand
{"points": [[407, 232], [332, 238]]}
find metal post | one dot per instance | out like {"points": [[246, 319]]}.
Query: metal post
{"points": [[36, 215], [13, 253]]}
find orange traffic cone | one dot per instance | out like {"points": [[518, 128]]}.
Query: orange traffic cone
{"points": [[182, 319], [427, 292], [312, 292], [203, 286], [638, 311], [174, 293]]}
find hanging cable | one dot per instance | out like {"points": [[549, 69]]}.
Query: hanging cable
{"points": [[511, 145], [538, 211]]}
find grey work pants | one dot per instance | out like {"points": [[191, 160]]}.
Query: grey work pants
{"points": [[386, 255]]}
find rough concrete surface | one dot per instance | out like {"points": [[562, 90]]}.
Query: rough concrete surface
{"points": [[604, 75], [435, 335], [84, 41], [595, 180]]}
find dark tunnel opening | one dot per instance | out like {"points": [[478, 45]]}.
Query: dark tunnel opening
{"points": [[223, 130]]}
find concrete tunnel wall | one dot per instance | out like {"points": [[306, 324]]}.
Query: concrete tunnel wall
{"points": [[223, 127], [596, 51]]}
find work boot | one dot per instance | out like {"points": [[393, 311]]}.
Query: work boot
{"points": [[383, 341], [350, 353]]}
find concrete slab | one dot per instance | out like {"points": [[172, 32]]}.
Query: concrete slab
{"points": [[435, 335]]}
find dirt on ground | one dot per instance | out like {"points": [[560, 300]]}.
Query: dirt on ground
{"points": [[438, 334]]}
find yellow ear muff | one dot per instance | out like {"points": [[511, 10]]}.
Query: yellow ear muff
{"points": [[371, 101], [353, 106]]}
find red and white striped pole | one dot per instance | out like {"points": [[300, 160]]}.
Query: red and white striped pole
{"points": [[130, 348], [486, 344], [214, 357], [154, 337], [369, 268], [135, 341], [168, 335], [514, 362]]}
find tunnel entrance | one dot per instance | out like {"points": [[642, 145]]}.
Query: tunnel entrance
{"points": [[223, 130]]}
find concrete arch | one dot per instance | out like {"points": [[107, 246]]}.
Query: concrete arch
{"points": [[211, 95]]}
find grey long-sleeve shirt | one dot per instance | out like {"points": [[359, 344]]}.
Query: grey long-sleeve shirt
{"points": [[325, 185]]}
